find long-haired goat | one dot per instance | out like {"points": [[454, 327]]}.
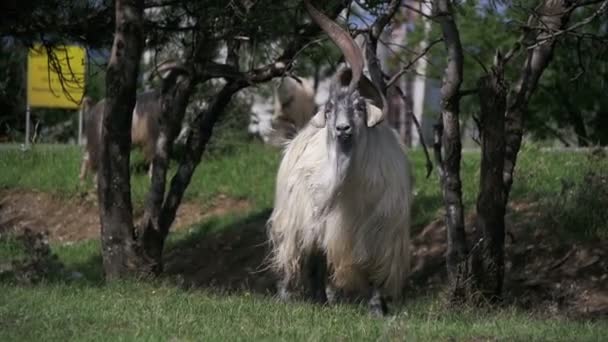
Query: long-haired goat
{"points": [[144, 125], [343, 193]]}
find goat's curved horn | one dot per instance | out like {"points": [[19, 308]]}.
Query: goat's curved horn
{"points": [[351, 51], [366, 87]]}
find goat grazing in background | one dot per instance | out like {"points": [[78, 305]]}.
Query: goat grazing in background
{"points": [[144, 125], [294, 105], [144, 128], [343, 193]]}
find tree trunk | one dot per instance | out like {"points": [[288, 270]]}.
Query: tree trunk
{"points": [[120, 256], [175, 94], [492, 201], [576, 120], [448, 136], [488, 255], [575, 116], [202, 129], [600, 128], [552, 16], [406, 129]]}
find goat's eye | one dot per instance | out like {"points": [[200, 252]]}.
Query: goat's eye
{"points": [[329, 107], [360, 104]]}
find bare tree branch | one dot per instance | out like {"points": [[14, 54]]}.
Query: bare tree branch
{"points": [[555, 15], [553, 33], [373, 64], [429, 163], [405, 68]]}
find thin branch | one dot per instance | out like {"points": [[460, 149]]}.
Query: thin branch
{"points": [[417, 11], [429, 163], [373, 65], [479, 61], [384, 19], [399, 56], [467, 92], [553, 34], [405, 68]]}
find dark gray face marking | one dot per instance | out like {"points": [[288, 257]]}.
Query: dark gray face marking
{"points": [[345, 114]]}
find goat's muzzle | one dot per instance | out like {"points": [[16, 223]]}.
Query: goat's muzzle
{"points": [[344, 132]]}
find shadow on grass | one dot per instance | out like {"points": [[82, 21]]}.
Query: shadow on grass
{"points": [[232, 257], [223, 256], [28, 259], [224, 253]]}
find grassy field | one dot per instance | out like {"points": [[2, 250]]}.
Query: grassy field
{"points": [[152, 312], [249, 172], [62, 307]]}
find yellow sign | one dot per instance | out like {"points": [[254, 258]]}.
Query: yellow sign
{"points": [[45, 87]]}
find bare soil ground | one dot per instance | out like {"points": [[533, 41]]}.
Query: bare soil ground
{"points": [[77, 218], [544, 274]]}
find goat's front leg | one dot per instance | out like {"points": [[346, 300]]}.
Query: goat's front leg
{"points": [[284, 287], [332, 293], [317, 277], [84, 166], [377, 303], [150, 170]]}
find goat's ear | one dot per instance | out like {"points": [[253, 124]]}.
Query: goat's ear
{"points": [[318, 120], [374, 115]]}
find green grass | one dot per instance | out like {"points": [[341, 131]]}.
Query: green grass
{"points": [[246, 173], [249, 173], [87, 309], [157, 312]]}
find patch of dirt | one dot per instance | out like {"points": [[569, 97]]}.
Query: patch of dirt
{"points": [[77, 218], [543, 273], [546, 273]]}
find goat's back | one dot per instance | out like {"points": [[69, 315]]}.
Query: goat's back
{"points": [[294, 105], [145, 125]]}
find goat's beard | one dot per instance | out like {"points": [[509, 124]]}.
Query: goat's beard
{"points": [[339, 162]]}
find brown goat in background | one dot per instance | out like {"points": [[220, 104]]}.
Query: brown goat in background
{"points": [[144, 129]]}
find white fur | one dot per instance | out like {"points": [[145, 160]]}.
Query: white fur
{"points": [[294, 105], [360, 217]]}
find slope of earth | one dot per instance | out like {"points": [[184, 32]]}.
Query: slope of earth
{"points": [[77, 218]]}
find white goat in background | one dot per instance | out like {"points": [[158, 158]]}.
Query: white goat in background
{"points": [[343, 193], [294, 105]]}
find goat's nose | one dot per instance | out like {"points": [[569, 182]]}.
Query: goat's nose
{"points": [[343, 128]]}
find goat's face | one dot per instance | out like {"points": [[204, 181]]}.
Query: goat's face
{"points": [[347, 116]]}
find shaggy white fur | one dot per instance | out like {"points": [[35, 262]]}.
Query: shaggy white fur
{"points": [[358, 216]]}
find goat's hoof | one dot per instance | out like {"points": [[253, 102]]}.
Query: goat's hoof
{"points": [[378, 311], [378, 307], [284, 295], [320, 298]]}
